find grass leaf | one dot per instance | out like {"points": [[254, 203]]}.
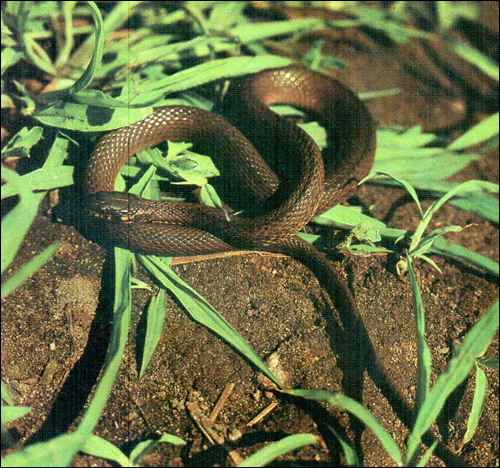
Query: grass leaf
{"points": [[472, 55], [28, 269], [202, 312], [481, 132], [481, 388], [21, 143], [424, 355], [355, 408], [41, 179], [90, 71], [85, 118], [121, 324], [144, 447], [11, 413], [275, 449], [155, 319], [99, 447], [56, 452], [475, 344], [16, 222], [214, 70]]}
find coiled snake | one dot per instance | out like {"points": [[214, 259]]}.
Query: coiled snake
{"points": [[278, 206]]}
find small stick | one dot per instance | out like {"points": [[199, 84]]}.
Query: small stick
{"points": [[214, 256], [262, 414], [221, 402]]}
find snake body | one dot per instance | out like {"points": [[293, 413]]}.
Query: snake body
{"points": [[278, 205]]}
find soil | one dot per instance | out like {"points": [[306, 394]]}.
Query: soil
{"points": [[55, 328]]}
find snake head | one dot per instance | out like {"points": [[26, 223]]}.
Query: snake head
{"points": [[110, 206]]}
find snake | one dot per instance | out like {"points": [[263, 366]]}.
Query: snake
{"points": [[285, 178], [277, 205]]}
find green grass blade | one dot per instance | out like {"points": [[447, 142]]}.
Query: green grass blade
{"points": [[16, 222], [99, 447], [21, 143], [355, 408], [41, 179], [424, 355], [9, 58], [56, 452], [472, 55], [90, 71], [121, 324], [469, 186], [489, 362], [454, 251], [481, 132], [409, 188], [343, 217], [155, 317], [143, 448], [428, 453], [28, 269], [11, 413], [351, 457], [6, 395], [85, 118], [275, 449], [475, 344], [216, 70], [477, 404], [202, 312], [252, 32]]}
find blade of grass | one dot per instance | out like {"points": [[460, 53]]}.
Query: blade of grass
{"points": [[6, 395], [121, 324], [409, 188], [252, 32], [475, 344], [16, 222], [85, 118], [342, 217], [355, 408], [481, 387], [99, 447], [21, 143], [143, 448], [481, 132], [41, 179], [202, 312], [155, 319], [28, 269], [215, 70], [275, 449], [68, 40], [469, 186], [11, 413], [472, 55], [427, 455], [454, 251], [56, 452], [424, 355]]}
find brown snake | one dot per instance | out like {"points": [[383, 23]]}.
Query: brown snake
{"points": [[285, 204], [306, 184], [277, 205]]}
